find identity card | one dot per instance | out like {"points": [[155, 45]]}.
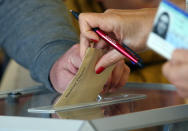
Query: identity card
{"points": [[170, 30]]}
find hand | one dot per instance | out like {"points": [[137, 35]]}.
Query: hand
{"points": [[65, 68], [176, 71], [130, 26], [118, 78]]}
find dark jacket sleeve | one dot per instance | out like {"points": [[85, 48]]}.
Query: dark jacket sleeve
{"points": [[35, 33]]}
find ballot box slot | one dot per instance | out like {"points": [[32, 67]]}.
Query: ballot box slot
{"points": [[123, 98]]}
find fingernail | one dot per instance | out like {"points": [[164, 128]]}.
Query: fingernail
{"points": [[95, 41], [100, 70]]}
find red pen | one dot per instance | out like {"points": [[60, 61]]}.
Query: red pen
{"points": [[123, 49]]}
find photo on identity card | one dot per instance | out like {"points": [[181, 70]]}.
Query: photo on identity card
{"points": [[170, 30]]}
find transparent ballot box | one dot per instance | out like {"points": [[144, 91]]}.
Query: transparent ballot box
{"points": [[137, 105]]}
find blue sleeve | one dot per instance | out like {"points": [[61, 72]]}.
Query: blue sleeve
{"points": [[35, 33]]}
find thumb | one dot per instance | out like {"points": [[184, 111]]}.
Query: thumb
{"points": [[109, 59], [73, 61]]}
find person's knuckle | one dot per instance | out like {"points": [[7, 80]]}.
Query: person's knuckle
{"points": [[110, 59], [85, 17]]}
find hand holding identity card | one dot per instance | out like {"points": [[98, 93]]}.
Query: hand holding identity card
{"points": [[170, 30]]}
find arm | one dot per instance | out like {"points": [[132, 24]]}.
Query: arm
{"points": [[130, 26], [35, 33]]}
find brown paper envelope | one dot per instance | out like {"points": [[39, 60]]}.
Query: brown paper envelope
{"points": [[86, 85]]}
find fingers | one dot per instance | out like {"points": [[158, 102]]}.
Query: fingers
{"points": [[62, 82], [123, 23], [72, 59], [101, 44], [107, 85], [123, 79], [58, 79], [125, 76], [116, 11], [117, 73], [118, 77], [166, 70], [87, 34], [169, 71], [76, 62], [84, 44], [65, 68], [177, 74], [109, 59], [87, 21]]}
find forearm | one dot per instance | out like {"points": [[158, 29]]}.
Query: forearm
{"points": [[35, 33]]}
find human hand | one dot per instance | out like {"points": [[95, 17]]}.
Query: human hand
{"points": [[118, 78], [129, 26], [66, 67], [176, 71]]}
